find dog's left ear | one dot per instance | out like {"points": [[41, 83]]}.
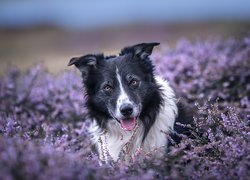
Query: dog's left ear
{"points": [[86, 63], [143, 50]]}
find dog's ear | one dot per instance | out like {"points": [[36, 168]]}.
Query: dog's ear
{"points": [[143, 50], [85, 63]]}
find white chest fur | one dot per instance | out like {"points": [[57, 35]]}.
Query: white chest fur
{"points": [[114, 139]]}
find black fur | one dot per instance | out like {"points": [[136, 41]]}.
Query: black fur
{"points": [[133, 63], [183, 123]]}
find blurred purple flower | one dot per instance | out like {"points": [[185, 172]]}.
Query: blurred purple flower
{"points": [[43, 122]]}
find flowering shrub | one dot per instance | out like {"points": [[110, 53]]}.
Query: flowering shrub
{"points": [[43, 120]]}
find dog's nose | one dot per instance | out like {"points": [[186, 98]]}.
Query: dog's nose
{"points": [[126, 109]]}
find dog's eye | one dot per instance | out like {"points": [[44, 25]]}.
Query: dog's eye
{"points": [[107, 88], [134, 83]]}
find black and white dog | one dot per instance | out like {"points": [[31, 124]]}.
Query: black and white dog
{"points": [[131, 109]]}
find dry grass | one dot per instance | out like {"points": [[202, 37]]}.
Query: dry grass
{"points": [[54, 47]]}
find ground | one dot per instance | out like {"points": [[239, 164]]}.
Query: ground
{"points": [[43, 120]]}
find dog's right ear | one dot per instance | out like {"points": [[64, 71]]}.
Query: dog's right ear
{"points": [[85, 63], [143, 50]]}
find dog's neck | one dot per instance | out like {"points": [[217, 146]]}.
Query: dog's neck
{"points": [[118, 145], [110, 143]]}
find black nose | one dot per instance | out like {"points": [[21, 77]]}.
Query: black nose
{"points": [[126, 109]]}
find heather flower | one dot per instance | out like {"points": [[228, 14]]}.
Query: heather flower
{"points": [[43, 122]]}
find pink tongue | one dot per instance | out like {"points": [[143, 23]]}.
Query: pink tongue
{"points": [[128, 124]]}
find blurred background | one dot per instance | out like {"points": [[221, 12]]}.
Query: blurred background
{"points": [[53, 31]]}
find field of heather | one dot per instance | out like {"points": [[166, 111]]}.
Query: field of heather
{"points": [[43, 122]]}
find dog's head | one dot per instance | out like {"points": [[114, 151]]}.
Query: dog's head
{"points": [[120, 88]]}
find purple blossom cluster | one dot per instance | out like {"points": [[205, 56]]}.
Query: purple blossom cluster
{"points": [[43, 122], [209, 69]]}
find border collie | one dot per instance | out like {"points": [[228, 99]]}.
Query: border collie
{"points": [[131, 109]]}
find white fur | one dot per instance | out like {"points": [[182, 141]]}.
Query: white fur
{"points": [[123, 98], [116, 138]]}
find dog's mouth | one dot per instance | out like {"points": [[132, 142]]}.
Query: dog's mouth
{"points": [[128, 124]]}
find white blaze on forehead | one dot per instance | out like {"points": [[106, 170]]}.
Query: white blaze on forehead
{"points": [[123, 97]]}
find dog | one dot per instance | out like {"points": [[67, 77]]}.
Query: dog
{"points": [[132, 110]]}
